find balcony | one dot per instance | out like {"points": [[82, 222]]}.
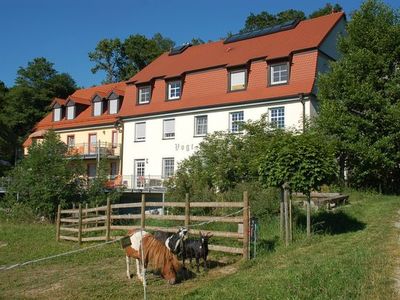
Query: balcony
{"points": [[147, 183], [91, 151]]}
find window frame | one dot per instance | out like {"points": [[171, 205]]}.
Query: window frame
{"points": [[163, 171], [54, 114], [94, 108], [114, 139], [73, 112], [277, 121], [95, 170], [271, 67], [231, 122], [70, 137], [164, 133], [196, 118], [241, 70], [139, 88], [168, 90], [140, 139], [109, 106]]}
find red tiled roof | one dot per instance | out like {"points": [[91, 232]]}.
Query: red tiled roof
{"points": [[59, 101], [85, 118], [307, 34]]}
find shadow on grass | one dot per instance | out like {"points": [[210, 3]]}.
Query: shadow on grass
{"points": [[267, 245], [331, 222]]}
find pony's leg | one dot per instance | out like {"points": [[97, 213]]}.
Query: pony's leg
{"points": [[205, 262], [128, 261], [138, 273]]}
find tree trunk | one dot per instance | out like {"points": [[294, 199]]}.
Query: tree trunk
{"points": [[308, 215]]}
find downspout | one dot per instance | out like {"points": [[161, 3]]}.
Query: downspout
{"points": [[303, 102]]}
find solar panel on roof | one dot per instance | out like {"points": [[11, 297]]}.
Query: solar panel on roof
{"points": [[256, 33], [179, 49]]}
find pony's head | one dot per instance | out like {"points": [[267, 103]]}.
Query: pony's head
{"points": [[205, 237], [171, 268]]}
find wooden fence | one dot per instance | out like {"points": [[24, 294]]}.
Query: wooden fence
{"points": [[74, 224]]}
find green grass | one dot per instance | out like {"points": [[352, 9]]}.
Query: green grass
{"points": [[352, 256]]}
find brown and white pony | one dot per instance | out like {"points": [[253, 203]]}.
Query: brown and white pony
{"points": [[155, 254]]}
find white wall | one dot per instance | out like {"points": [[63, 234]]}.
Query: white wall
{"points": [[185, 143]]}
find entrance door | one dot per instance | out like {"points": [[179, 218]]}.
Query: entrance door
{"points": [[139, 173]]}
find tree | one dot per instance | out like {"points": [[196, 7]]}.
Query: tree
{"points": [[326, 10], [123, 59], [265, 19], [109, 57], [45, 178], [360, 105], [302, 161], [27, 102]]}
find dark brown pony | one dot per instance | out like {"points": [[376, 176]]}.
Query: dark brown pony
{"points": [[155, 255]]}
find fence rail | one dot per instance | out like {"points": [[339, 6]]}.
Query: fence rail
{"points": [[74, 224]]}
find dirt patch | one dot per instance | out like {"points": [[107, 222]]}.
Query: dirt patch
{"points": [[3, 244], [37, 292]]}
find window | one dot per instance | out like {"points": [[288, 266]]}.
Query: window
{"points": [[140, 132], [92, 143], [236, 120], [113, 170], [113, 106], [98, 108], [237, 80], [279, 73], [169, 129], [200, 126], [277, 117], [71, 112], [139, 173], [114, 139], [57, 114], [174, 89], [144, 94], [91, 170], [71, 141], [167, 167]]}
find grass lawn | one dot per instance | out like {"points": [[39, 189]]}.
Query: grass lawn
{"points": [[353, 255]]}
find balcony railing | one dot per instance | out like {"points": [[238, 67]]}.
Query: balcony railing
{"points": [[96, 149], [148, 182]]}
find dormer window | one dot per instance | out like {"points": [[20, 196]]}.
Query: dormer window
{"points": [[113, 106], [174, 89], [237, 80], [57, 113], [97, 106], [144, 94], [279, 73], [71, 112]]}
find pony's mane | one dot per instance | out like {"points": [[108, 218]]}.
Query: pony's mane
{"points": [[156, 253]]}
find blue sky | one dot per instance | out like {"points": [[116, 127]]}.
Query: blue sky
{"points": [[64, 31]]}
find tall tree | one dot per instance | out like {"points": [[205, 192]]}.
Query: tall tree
{"points": [[120, 60], [108, 57], [26, 103], [360, 98], [326, 10]]}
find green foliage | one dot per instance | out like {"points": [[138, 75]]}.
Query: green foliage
{"points": [[120, 60], [326, 10], [23, 105], [45, 178], [265, 19], [96, 193], [304, 161], [360, 106]]}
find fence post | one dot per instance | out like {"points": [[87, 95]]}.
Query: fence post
{"points": [[245, 225], [290, 219], [142, 218], [80, 224], [58, 223], [187, 210], [285, 200], [86, 214], [108, 219]]}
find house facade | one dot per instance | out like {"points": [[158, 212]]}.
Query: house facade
{"points": [[88, 123], [148, 124], [195, 90]]}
